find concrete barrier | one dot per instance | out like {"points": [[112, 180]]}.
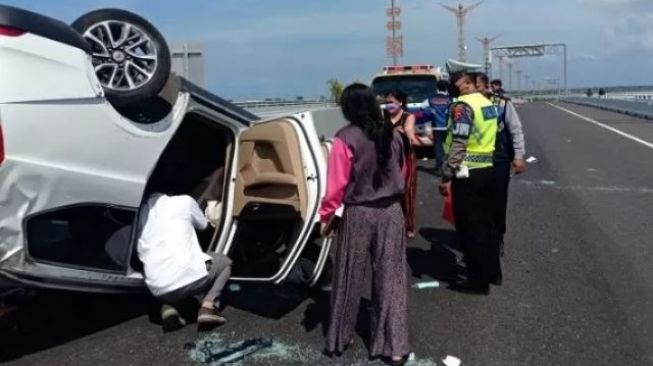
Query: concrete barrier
{"points": [[641, 109]]}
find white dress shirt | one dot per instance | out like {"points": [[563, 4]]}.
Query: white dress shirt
{"points": [[168, 245]]}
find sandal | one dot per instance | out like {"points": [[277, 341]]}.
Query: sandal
{"points": [[400, 362]]}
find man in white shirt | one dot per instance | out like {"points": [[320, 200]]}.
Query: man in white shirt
{"points": [[175, 266]]}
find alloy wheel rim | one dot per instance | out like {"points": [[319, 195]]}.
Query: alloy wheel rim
{"points": [[124, 56]]}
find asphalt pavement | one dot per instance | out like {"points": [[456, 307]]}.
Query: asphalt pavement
{"points": [[578, 278]]}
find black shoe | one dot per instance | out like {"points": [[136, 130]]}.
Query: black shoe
{"points": [[470, 288], [333, 354], [497, 280], [171, 319]]}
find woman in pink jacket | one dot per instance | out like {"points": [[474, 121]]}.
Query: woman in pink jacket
{"points": [[364, 175]]}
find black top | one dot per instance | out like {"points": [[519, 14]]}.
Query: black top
{"points": [[368, 182], [408, 147]]}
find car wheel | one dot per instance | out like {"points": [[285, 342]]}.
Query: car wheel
{"points": [[130, 57]]}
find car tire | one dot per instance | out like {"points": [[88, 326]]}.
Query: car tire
{"points": [[130, 56]]}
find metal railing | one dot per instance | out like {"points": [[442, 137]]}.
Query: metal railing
{"points": [[630, 107], [282, 103]]}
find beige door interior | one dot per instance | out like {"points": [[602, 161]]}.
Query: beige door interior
{"points": [[272, 211], [270, 167]]}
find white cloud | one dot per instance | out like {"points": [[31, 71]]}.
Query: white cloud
{"points": [[632, 34], [623, 4], [629, 30], [287, 28], [585, 57]]}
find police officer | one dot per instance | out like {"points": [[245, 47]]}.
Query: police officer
{"points": [[497, 87], [509, 152], [469, 176], [439, 115]]}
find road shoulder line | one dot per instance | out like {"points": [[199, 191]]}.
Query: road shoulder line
{"points": [[609, 128]]}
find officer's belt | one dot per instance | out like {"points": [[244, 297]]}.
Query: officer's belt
{"points": [[478, 158]]}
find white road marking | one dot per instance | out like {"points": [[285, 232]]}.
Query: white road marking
{"points": [[604, 189], [609, 128]]}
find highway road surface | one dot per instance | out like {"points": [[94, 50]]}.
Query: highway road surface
{"points": [[578, 286]]}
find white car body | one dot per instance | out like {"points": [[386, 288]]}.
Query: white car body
{"points": [[64, 147]]}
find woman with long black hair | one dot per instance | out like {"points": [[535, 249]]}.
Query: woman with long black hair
{"points": [[364, 175], [397, 115]]}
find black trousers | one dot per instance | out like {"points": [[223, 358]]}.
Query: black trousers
{"points": [[438, 147], [501, 181], [474, 211]]}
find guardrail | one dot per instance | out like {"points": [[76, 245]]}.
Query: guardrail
{"points": [[641, 109], [283, 103]]}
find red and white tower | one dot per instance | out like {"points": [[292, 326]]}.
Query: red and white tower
{"points": [[395, 41]]}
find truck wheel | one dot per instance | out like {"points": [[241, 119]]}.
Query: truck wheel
{"points": [[130, 57]]}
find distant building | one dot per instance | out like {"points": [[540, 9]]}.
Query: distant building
{"points": [[188, 61]]}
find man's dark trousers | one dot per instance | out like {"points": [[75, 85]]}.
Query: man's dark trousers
{"points": [[474, 211]]}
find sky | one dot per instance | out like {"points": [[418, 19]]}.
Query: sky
{"points": [[287, 48]]}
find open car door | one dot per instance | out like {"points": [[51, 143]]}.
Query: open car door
{"points": [[275, 199]]}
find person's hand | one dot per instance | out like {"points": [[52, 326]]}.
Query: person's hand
{"points": [[323, 228], [213, 212], [519, 166], [445, 188]]}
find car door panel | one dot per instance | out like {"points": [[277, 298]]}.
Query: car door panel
{"points": [[276, 194]]}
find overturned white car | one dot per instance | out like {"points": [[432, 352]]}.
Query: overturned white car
{"points": [[89, 118]]}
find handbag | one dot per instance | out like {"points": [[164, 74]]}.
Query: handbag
{"points": [[447, 210]]}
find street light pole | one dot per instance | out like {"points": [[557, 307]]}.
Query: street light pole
{"points": [[519, 72], [461, 13], [510, 76], [564, 47]]}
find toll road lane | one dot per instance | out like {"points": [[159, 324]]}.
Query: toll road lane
{"points": [[577, 289]]}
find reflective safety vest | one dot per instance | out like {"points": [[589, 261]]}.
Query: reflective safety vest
{"points": [[481, 143]]}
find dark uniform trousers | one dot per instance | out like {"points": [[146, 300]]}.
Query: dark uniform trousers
{"points": [[474, 201], [502, 181]]}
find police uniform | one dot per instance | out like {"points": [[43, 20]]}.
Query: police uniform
{"points": [[470, 144], [439, 114], [509, 145]]}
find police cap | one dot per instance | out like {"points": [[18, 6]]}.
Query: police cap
{"points": [[457, 69]]}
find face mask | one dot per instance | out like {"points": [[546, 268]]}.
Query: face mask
{"points": [[392, 107]]}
